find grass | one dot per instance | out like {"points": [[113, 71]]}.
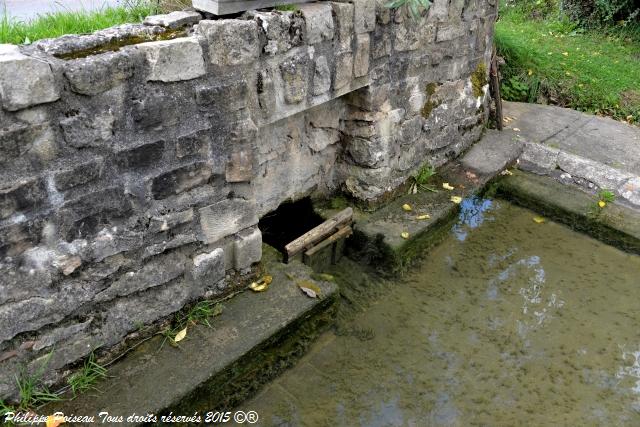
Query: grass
{"points": [[87, 377], [421, 180], [200, 313], [552, 60], [68, 22]]}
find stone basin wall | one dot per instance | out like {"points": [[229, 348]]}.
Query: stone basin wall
{"points": [[136, 162]]}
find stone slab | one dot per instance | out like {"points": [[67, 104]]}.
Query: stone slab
{"points": [[150, 380], [227, 7], [601, 139]]}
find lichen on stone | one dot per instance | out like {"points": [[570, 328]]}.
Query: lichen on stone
{"points": [[429, 104], [479, 79]]}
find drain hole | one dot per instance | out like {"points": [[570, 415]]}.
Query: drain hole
{"points": [[290, 221]]}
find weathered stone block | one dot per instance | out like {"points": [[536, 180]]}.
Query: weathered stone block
{"points": [[98, 73], [294, 74], [448, 32], [240, 166], [24, 81], [174, 19], [193, 144], [83, 131], [363, 52], [174, 60], [344, 13], [155, 273], [343, 70], [231, 41], [247, 248], [140, 157], [243, 131], [208, 268], [169, 221], [181, 179], [103, 201], [16, 140], [226, 218], [369, 153], [110, 242], [266, 91], [283, 30], [319, 22], [322, 76], [230, 97], [364, 15], [26, 194], [78, 174]]}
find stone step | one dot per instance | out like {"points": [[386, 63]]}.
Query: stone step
{"points": [[257, 336]]}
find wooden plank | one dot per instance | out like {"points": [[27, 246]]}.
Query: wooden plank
{"points": [[319, 233], [340, 234], [226, 7]]}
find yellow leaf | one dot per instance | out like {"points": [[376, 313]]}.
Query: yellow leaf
{"points": [[565, 53], [406, 207], [405, 235], [55, 420], [180, 335], [602, 203], [538, 220], [261, 285], [530, 72], [516, 129], [423, 217], [446, 186], [456, 199], [506, 172]]}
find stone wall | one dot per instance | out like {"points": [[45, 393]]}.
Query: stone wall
{"points": [[136, 162]]}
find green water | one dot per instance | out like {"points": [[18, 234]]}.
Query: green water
{"points": [[507, 323]]}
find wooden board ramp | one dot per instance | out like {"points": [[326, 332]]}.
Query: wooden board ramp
{"points": [[327, 233]]}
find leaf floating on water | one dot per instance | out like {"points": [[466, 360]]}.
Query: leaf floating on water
{"points": [[447, 186], [407, 207], [323, 277], [405, 235], [423, 217], [309, 292], [539, 220], [456, 199], [180, 335]]}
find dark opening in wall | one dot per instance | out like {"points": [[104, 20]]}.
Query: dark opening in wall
{"points": [[290, 221]]}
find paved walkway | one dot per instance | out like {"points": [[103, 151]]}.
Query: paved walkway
{"points": [[593, 152], [24, 10]]}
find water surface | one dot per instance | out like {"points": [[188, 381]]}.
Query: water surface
{"points": [[506, 323]]}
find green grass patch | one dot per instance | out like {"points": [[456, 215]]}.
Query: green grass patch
{"points": [[552, 60], [86, 378], [67, 22]]}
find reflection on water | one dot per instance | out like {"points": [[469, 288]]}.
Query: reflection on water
{"points": [[507, 323]]}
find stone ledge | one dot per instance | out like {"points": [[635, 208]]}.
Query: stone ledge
{"points": [[149, 380], [616, 225]]}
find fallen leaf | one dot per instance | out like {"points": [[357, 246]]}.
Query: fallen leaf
{"points": [[530, 72], [309, 292], [404, 235], [406, 207], [456, 199], [180, 335], [447, 186], [261, 285], [506, 172], [565, 53], [55, 420], [602, 204], [538, 220], [309, 285], [516, 129], [423, 217]]}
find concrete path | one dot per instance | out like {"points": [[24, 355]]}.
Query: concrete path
{"points": [[593, 152], [24, 10]]}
